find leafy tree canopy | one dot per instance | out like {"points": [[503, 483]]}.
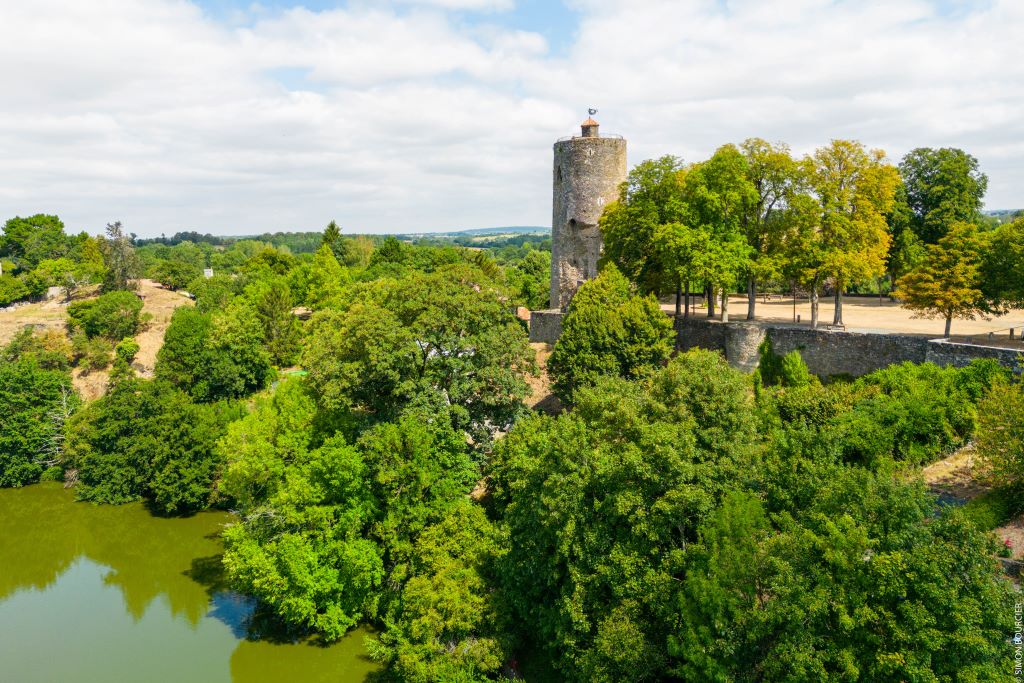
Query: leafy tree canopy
{"points": [[609, 331]]}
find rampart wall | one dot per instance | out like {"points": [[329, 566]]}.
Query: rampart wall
{"points": [[827, 353]]}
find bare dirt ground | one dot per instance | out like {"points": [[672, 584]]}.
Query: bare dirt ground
{"points": [[52, 314], [867, 314], [955, 475], [1013, 531], [159, 303], [958, 476], [541, 396]]}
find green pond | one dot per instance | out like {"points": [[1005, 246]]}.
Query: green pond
{"points": [[111, 593]]}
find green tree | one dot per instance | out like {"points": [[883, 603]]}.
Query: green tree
{"points": [[391, 250], [119, 258], [856, 189], [215, 357], [650, 198], [718, 192], [948, 283], [686, 254], [776, 177], [530, 279], [328, 528], [147, 440], [600, 504], [327, 277], [34, 403], [862, 585], [335, 242], [445, 628], [999, 437], [11, 289], [33, 239], [1002, 268], [173, 274], [272, 302], [609, 331], [943, 187], [113, 316], [447, 334], [214, 293]]}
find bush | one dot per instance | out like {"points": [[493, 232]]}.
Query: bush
{"points": [[50, 349], [114, 315], [919, 413], [126, 350], [91, 354], [814, 404], [993, 508], [788, 371], [11, 289]]}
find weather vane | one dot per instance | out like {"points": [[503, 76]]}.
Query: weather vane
{"points": [[591, 111]]}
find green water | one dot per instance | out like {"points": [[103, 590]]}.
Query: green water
{"points": [[111, 593]]}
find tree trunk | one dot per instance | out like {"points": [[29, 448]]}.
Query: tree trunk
{"points": [[751, 297], [814, 306], [679, 297], [686, 300], [709, 296], [837, 318], [949, 325], [725, 304]]}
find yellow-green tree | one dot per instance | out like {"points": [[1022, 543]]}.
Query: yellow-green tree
{"points": [[856, 188], [776, 178], [948, 283]]}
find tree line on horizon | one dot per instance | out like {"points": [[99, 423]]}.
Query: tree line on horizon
{"points": [[841, 217]]}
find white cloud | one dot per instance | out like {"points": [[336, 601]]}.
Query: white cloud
{"points": [[478, 5], [151, 112]]}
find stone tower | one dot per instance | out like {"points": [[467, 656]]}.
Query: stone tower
{"points": [[587, 174]]}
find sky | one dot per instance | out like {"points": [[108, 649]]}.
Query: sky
{"points": [[232, 117]]}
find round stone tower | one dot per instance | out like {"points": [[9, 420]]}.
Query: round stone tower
{"points": [[587, 174]]}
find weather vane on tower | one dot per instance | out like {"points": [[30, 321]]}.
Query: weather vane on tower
{"points": [[591, 111]]}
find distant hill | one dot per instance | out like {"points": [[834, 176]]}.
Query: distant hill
{"points": [[471, 232], [1000, 216]]}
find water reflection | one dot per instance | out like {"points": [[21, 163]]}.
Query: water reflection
{"points": [[63, 566]]}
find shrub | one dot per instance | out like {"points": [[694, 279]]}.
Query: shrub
{"points": [[1000, 433], [114, 315], [50, 349], [126, 350], [921, 411], [11, 289], [91, 354], [993, 508], [788, 371]]}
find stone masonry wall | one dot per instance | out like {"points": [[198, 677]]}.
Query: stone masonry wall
{"points": [[545, 326], [826, 353]]}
